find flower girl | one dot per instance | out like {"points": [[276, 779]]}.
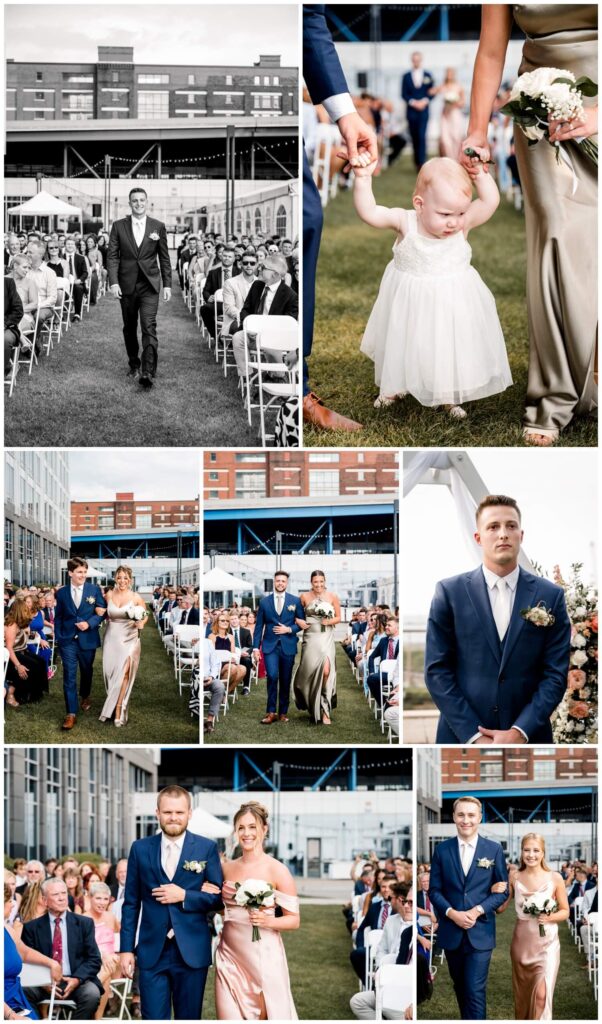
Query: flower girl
{"points": [[434, 332]]}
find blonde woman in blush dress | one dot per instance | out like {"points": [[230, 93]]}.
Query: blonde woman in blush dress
{"points": [[535, 958], [315, 679], [251, 978], [121, 646], [452, 126]]}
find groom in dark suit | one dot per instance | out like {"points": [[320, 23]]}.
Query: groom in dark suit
{"points": [[276, 633], [415, 88], [80, 607], [163, 896], [137, 260], [463, 871], [497, 641]]}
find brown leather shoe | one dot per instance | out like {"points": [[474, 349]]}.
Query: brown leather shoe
{"points": [[269, 718], [282, 718], [69, 722], [86, 704], [314, 411]]}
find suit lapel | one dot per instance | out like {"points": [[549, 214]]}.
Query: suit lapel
{"points": [[155, 859], [473, 867], [130, 232], [525, 589], [187, 850], [477, 591], [457, 863]]}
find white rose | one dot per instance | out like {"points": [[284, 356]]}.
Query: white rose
{"points": [[580, 612], [578, 641], [578, 659], [533, 132], [534, 82], [591, 596], [579, 726], [240, 897]]}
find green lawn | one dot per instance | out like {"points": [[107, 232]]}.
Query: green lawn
{"points": [[85, 399], [322, 979], [353, 257], [573, 997], [156, 713], [352, 722]]}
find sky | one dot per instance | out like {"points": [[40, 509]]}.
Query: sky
{"points": [[151, 473], [556, 492], [160, 34]]}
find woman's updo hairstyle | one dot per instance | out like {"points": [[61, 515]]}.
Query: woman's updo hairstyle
{"points": [[259, 812], [123, 568], [317, 572]]}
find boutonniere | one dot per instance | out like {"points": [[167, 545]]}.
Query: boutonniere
{"points": [[154, 236], [538, 616], [90, 600], [290, 607], [483, 862], [198, 866]]}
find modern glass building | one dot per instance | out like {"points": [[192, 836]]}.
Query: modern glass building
{"points": [[36, 515]]}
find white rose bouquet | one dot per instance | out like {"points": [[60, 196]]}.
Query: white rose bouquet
{"points": [[538, 904], [254, 894], [550, 92], [321, 610], [136, 612]]}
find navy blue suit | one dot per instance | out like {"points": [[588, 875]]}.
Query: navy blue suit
{"points": [[468, 951], [77, 647], [84, 959], [380, 652], [279, 650], [170, 969], [371, 920], [417, 119], [324, 78], [476, 679]]}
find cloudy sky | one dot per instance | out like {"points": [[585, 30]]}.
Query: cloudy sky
{"points": [[218, 33], [151, 473], [556, 492]]}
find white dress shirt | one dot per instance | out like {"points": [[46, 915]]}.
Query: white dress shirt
{"points": [[77, 594], [165, 843], [139, 228], [339, 105], [212, 666], [417, 77], [269, 296], [388, 947], [63, 926]]}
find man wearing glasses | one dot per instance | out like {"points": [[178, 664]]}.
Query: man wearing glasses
{"points": [[236, 290], [395, 947]]}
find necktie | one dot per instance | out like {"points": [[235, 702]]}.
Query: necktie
{"points": [[57, 941], [464, 858], [502, 608], [391, 650], [262, 301], [236, 638], [77, 597], [171, 860], [384, 915], [227, 273], [427, 902], [138, 232], [279, 603], [71, 268]]}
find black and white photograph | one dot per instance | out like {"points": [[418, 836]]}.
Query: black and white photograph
{"points": [[151, 224]]}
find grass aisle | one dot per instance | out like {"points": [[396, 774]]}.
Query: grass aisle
{"points": [[85, 398], [353, 257], [322, 979], [156, 713], [573, 996], [352, 722]]}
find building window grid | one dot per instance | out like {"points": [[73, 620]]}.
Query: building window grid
{"points": [[72, 799], [92, 794], [31, 802]]}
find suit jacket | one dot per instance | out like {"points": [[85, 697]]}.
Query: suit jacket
{"points": [[410, 92], [450, 887], [369, 921], [125, 262], [188, 919], [380, 651], [284, 303], [66, 615], [13, 307], [246, 637], [235, 293], [215, 280], [84, 955], [193, 617], [474, 679], [322, 69], [267, 617], [80, 265], [574, 890]]}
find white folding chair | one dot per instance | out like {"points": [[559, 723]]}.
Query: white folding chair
{"points": [[27, 354], [185, 286], [228, 659], [37, 976], [574, 915], [186, 655], [271, 342], [11, 379], [385, 668], [253, 327], [372, 939], [394, 988], [592, 959]]}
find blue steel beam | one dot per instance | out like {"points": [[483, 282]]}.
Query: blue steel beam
{"points": [[444, 24], [313, 537], [330, 539], [499, 814], [298, 512], [326, 774], [536, 809], [261, 774], [417, 25], [236, 774], [258, 539], [342, 27], [353, 771]]}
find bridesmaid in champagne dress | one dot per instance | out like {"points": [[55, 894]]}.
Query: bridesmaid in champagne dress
{"points": [[252, 980], [121, 647], [535, 958], [560, 225], [315, 679]]}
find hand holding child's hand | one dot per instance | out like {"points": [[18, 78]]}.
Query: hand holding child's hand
{"points": [[363, 166]]}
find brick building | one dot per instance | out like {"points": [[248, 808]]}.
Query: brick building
{"points": [[126, 512], [298, 474], [116, 87], [516, 764]]}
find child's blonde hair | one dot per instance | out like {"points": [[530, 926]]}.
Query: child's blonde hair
{"points": [[443, 167]]}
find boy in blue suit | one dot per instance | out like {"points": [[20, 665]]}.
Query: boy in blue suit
{"points": [[80, 607], [165, 875], [464, 871], [276, 629]]}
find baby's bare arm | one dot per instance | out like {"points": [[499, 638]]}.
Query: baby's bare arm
{"points": [[486, 203], [368, 210]]}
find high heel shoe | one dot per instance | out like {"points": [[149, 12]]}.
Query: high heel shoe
{"points": [[121, 717]]}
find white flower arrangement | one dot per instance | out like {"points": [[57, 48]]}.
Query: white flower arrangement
{"points": [[154, 237], [321, 610], [291, 607], [538, 903], [253, 894], [136, 612], [538, 616], [90, 600], [484, 862], [198, 866], [575, 719]]}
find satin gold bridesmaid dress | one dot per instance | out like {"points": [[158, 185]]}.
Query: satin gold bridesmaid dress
{"points": [[534, 959]]}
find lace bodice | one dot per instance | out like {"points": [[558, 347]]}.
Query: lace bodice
{"points": [[439, 257]]}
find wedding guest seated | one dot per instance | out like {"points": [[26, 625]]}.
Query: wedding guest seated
{"points": [[222, 640], [105, 928], [95, 263], [579, 888], [589, 906], [75, 949], [243, 642], [268, 296], [16, 953], [216, 278], [75, 889], [45, 286], [376, 917], [26, 676], [13, 314], [212, 668], [78, 270], [386, 650], [56, 262], [236, 290], [426, 914], [395, 947], [357, 626]]}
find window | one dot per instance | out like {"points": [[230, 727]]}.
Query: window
{"points": [[228, 99], [31, 802], [249, 458], [266, 80], [214, 476], [544, 770], [256, 80], [492, 771], [281, 221], [38, 115], [9, 542], [144, 521], [155, 80], [214, 494], [275, 80], [258, 219], [82, 79], [228, 79], [72, 801], [153, 105], [212, 458], [39, 95], [39, 76], [268, 220], [324, 457], [115, 77], [80, 101], [238, 222], [107, 522], [53, 800], [248, 223], [191, 80], [250, 483], [323, 482]]}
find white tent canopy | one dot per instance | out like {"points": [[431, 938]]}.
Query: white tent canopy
{"points": [[44, 204], [219, 581], [203, 823]]}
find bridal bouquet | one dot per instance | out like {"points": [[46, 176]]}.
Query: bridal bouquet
{"points": [[550, 92], [575, 720], [136, 612], [321, 610], [254, 894], [538, 904]]}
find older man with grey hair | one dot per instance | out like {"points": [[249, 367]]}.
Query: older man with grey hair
{"points": [[44, 281], [269, 296]]}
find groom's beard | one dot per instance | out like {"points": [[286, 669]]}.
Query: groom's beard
{"points": [[173, 831]]}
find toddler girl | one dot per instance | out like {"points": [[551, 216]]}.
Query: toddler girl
{"points": [[434, 332]]}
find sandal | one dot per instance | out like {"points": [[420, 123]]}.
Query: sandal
{"points": [[383, 400], [456, 412], [12, 703], [534, 437]]}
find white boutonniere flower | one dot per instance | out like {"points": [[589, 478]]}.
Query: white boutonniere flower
{"points": [[290, 607], [198, 866], [154, 237], [538, 616], [484, 862], [90, 600]]}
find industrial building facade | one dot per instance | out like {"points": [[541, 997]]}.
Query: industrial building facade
{"points": [[126, 512], [36, 515]]}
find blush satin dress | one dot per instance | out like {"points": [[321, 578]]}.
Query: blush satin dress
{"points": [[121, 646], [534, 959], [250, 974]]}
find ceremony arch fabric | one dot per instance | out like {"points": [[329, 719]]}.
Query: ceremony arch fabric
{"points": [[202, 823], [219, 581], [455, 471], [44, 204]]}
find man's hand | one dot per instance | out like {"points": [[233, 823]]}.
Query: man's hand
{"points": [[475, 914], [115, 290], [72, 984], [169, 893], [128, 964], [166, 294], [256, 654], [358, 137], [482, 740], [462, 918], [56, 971], [282, 629], [503, 735], [83, 626]]}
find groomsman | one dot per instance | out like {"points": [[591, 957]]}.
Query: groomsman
{"points": [[415, 88]]}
